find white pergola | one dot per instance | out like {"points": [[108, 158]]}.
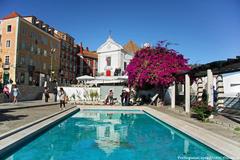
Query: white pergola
{"points": [[210, 69]]}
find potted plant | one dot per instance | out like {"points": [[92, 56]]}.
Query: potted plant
{"points": [[202, 111], [92, 94]]}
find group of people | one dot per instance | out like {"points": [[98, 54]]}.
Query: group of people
{"points": [[61, 94], [125, 98], [14, 93]]}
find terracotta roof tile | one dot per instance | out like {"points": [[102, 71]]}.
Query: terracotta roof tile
{"points": [[131, 47], [90, 54], [12, 15]]}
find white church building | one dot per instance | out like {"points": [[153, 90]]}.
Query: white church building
{"points": [[112, 58]]}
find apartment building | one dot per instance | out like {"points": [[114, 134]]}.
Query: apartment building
{"points": [[68, 57], [88, 62], [30, 52]]}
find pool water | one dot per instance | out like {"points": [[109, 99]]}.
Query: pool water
{"points": [[106, 135]]}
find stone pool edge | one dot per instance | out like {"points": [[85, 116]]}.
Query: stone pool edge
{"points": [[20, 135], [223, 145]]}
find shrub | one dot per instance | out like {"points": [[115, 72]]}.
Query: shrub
{"points": [[96, 95], [93, 94], [202, 110], [156, 66], [237, 129]]}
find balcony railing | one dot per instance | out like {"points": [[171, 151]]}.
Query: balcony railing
{"points": [[6, 65]]}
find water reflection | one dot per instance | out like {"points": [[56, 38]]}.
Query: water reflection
{"points": [[107, 135], [172, 134], [111, 129], [186, 146]]}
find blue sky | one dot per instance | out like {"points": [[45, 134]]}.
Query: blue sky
{"points": [[205, 30]]}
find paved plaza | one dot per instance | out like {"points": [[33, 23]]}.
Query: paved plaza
{"points": [[16, 115], [13, 118], [25, 104]]}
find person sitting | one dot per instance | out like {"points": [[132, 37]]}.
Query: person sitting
{"points": [[127, 98], [123, 97], [109, 98]]}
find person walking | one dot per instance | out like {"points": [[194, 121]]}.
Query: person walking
{"points": [[46, 93], [6, 91], [62, 96], [55, 92], [15, 93]]}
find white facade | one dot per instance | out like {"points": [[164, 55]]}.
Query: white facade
{"points": [[231, 84], [112, 56]]}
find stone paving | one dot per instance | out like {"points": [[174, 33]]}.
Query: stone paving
{"points": [[25, 104], [219, 125], [14, 118]]}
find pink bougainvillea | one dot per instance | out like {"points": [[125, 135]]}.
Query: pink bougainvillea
{"points": [[155, 66]]}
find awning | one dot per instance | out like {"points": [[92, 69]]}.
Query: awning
{"points": [[85, 78], [104, 81]]}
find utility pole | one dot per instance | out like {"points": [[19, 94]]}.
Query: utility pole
{"points": [[52, 72]]}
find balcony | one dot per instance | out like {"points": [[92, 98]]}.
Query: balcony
{"points": [[31, 68], [6, 66]]}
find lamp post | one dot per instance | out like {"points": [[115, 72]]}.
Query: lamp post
{"points": [[52, 72]]}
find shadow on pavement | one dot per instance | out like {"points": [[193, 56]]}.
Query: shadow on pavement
{"points": [[8, 117]]}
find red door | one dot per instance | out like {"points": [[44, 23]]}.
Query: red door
{"points": [[108, 73]]}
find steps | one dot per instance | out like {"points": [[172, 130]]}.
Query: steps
{"points": [[233, 114], [231, 109], [232, 102], [28, 93]]}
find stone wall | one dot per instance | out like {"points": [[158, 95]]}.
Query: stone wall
{"points": [[27, 93], [81, 93]]}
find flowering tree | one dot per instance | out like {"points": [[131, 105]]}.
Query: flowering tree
{"points": [[155, 66]]}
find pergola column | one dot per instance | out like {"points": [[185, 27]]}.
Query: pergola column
{"points": [[220, 91], [199, 89], [210, 87], [187, 93], [173, 98]]}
